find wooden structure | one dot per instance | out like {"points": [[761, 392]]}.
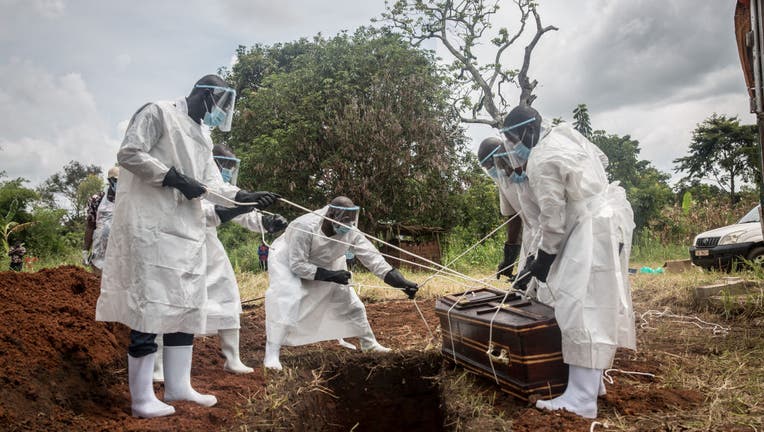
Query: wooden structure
{"points": [[420, 240], [525, 351]]}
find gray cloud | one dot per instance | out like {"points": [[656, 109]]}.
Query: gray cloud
{"points": [[73, 72], [54, 120]]}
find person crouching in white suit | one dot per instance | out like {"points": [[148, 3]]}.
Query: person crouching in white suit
{"points": [[308, 299]]}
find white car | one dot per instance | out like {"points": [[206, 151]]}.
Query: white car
{"points": [[720, 247]]}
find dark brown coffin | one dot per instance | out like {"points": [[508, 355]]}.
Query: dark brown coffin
{"points": [[526, 352]]}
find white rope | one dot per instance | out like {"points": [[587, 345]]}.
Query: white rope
{"points": [[610, 380], [375, 251], [490, 327], [359, 286], [440, 266], [716, 329], [236, 203], [473, 247], [596, 423]]}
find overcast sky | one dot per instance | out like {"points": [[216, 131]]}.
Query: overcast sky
{"points": [[73, 72]]}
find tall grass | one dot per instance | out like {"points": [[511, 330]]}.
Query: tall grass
{"points": [[485, 256], [648, 249]]}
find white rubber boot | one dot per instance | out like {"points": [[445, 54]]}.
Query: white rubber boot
{"points": [[369, 343], [580, 396], [143, 401], [345, 344], [159, 362], [271, 360], [602, 391], [229, 344], [177, 374]]}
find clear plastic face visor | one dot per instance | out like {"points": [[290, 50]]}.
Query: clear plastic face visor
{"points": [[225, 100], [510, 132], [346, 215], [488, 165], [507, 161], [229, 168]]}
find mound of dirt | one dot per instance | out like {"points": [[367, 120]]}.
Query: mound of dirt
{"points": [[56, 360]]}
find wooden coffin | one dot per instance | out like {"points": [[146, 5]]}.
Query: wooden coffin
{"points": [[526, 354]]}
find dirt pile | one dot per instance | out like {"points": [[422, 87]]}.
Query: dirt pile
{"points": [[56, 361]]}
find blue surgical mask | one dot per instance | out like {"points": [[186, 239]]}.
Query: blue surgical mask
{"points": [[227, 174], [214, 118], [339, 229], [518, 178], [493, 173], [521, 151]]}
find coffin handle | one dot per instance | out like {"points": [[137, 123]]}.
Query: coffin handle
{"points": [[498, 355]]}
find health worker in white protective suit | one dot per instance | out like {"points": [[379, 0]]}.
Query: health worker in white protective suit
{"points": [[223, 301], [490, 151], [585, 226], [308, 299], [98, 224], [154, 278]]}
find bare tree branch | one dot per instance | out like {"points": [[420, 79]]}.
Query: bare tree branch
{"points": [[460, 26]]}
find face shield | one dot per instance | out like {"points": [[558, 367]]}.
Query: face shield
{"points": [[489, 166], [510, 168], [219, 107], [229, 168], [346, 215], [520, 137]]}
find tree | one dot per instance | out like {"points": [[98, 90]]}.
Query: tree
{"points": [[67, 183], [581, 121], [14, 202], [721, 150], [461, 27], [364, 116]]}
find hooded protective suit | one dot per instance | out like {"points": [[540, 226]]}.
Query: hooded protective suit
{"points": [[583, 220], [300, 310], [154, 276], [223, 301], [101, 232]]}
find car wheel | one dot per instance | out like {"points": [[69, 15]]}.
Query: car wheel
{"points": [[756, 256]]}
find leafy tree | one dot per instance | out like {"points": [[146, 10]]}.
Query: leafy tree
{"points": [[16, 201], [89, 187], [461, 27], [67, 183], [581, 120], [362, 115], [724, 151], [49, 237]]}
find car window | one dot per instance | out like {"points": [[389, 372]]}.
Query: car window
{"points": [[751, 216]]}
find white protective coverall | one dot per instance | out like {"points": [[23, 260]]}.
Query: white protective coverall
{"points": [[154, 277], [300, 310], [223, 301], [101, 232], [583, 219]]}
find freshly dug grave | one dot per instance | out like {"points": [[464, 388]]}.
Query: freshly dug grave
{"points": [[61, 370]]}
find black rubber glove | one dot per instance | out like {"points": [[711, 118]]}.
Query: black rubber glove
{"points": [[537, 267], [261, 199], [274, 223], [337, 276], [395, 279], [189, 187], [511, 252], [225, 214]]}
